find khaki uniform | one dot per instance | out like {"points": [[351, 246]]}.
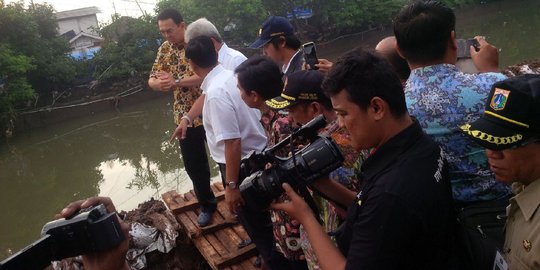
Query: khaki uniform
{"points": [[522, 242]]}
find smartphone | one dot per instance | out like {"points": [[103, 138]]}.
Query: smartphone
{"points": [[463, 50], [310, 55]]}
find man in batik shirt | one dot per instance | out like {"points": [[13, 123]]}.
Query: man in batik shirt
{"points": [[171, 72]]}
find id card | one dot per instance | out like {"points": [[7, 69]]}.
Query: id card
{"points": [[500, 263]]}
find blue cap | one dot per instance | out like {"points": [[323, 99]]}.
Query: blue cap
{"points": [[273, 27]]}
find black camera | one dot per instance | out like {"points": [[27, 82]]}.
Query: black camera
{"points": [[319, 157], [90, 230]]}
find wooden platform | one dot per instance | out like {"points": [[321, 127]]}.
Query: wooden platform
{"points": [[218, 242]]}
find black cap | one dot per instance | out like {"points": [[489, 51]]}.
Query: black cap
{"points": [[303, 85], [273, 27], [512, 114]]}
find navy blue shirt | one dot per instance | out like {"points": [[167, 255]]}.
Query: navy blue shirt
{"points": [[403, 217]]}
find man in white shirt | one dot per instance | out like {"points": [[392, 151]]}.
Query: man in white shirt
{"points": [[229, 58], [232, 131]]}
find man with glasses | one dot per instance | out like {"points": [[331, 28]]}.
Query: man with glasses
{"points": [[278, 41], [509, 129], [171, 71]]}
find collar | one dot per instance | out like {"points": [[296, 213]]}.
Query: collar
{"points": [[178, 46], [286, 67], [222, 51], [527, 198], [212, 74], [387, 153], [434, 69]]}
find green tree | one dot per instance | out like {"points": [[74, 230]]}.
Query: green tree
{"points": [[238, 21], [129, 49], [15, 90]]}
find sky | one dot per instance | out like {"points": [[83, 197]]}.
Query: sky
{"points": [[107, 7]]}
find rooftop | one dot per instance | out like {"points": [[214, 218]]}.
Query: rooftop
{"points": [[80, 12]]}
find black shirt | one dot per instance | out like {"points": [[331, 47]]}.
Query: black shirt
{"points": [[403, 217]]}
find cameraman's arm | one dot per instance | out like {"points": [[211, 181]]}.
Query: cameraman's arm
{"points": [[113, 259], [335, 191], [327, 253], [232, 171]]}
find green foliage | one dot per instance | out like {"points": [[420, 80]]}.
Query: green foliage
{"points": [[130, 48], [241, 17], [14, 87]]}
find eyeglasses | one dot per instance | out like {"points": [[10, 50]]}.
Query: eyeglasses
{"points": [[168, 31]]}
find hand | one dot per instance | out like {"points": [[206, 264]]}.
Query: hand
{"points": [[324, 65], [113, 259], [180, 131], [486, 59], [297, 208], [233, 199], [166, 80]]}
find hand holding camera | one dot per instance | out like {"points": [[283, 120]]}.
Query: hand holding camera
{"points": [[486, 58], [90, 228]]}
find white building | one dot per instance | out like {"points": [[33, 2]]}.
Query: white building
{"points": [[79, 27]]}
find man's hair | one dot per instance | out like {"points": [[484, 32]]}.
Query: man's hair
{"points": [[170, 14], [365, 75], [423, 30], [262, 75], [292, 42], [202, 27], [201, 52], [400, 65]]}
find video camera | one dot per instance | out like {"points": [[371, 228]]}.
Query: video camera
{"points": [[320, 157], [90, 230]]}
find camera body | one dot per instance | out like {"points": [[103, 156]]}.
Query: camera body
{"points": [[88, 231], [318, 158]]}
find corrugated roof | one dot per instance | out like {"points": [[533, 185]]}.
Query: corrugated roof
{"points": [[77, 13]]}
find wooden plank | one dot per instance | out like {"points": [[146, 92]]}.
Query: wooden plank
{"points": [[237, 257]]}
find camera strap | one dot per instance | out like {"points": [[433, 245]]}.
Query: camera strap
{"points": [[35, 256]]}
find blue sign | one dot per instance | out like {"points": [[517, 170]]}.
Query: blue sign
{"points": [[300, 13]]}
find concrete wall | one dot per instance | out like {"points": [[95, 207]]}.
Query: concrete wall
{"points": [[78, 24]]}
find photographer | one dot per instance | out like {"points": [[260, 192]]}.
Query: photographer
{"points": [[304, 100], [403, 216], [278, 41], [114, 259]]}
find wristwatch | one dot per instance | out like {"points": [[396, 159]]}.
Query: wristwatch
{"points": [[177, 82], [231, 185]]}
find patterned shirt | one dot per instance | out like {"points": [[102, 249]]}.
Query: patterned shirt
{"points": [[285, 229], [442, 98], [171, 58], [346, 175]]}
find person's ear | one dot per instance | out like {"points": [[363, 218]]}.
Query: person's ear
{"points": [[453, 40], [315, 108], [282, 42], [398, 50], [378, 108], [182, 25]]}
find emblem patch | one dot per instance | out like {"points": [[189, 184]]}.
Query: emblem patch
{"points": [[527, 245], [499, 99]]}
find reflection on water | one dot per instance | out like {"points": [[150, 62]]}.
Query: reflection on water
{"points": [[125, 156]]}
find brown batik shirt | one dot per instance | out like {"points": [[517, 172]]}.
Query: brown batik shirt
{"points": [[171, 58]]}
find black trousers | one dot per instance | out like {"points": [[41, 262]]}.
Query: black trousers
{"points": [[256, 223], [193, 149]]}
